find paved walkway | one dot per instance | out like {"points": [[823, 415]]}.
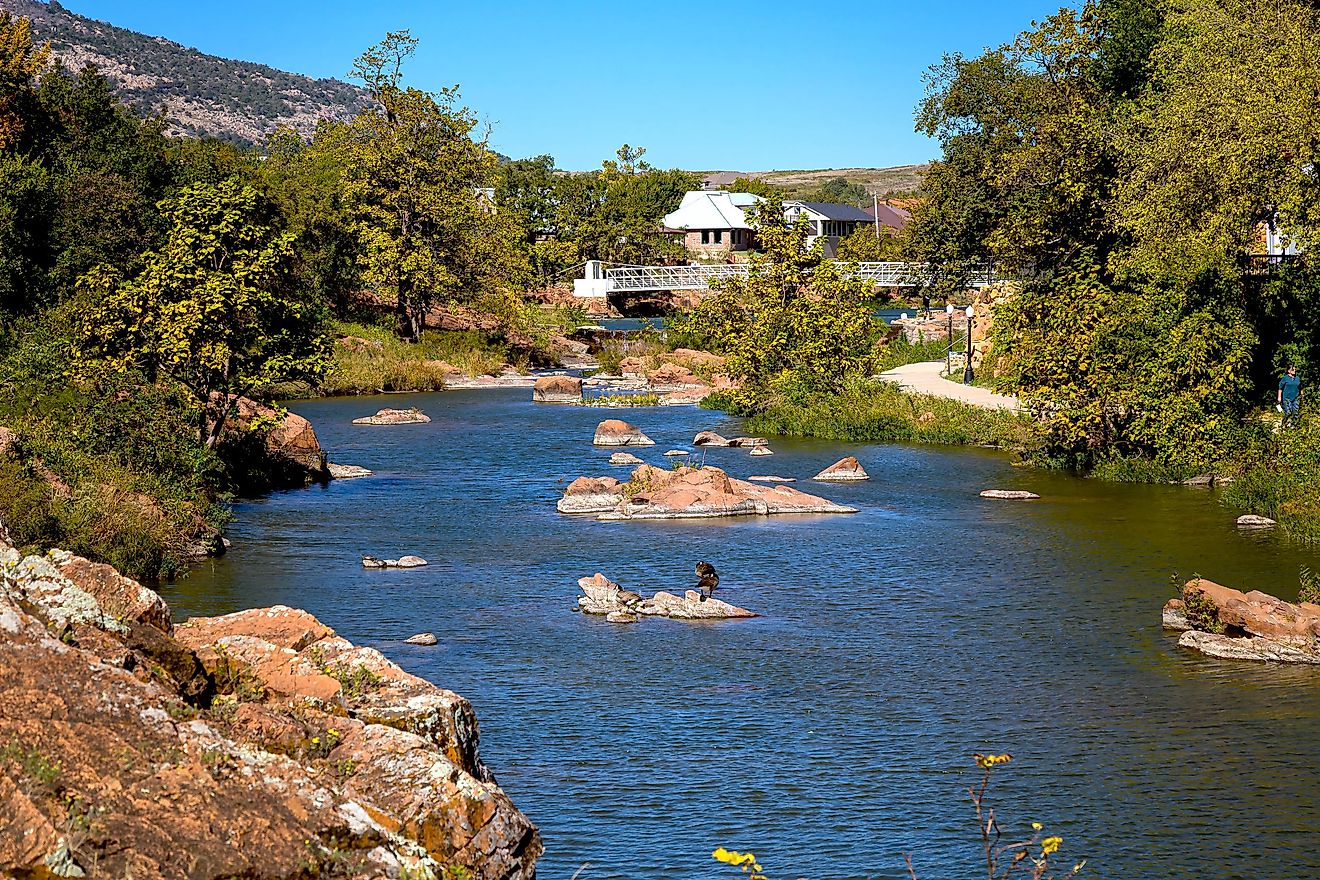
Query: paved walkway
{"points": [[925, 378]]}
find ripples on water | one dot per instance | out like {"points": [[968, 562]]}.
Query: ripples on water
{"points": [[835, 732]]}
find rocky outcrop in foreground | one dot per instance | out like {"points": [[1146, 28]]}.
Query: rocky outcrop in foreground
{"points": [[258, 744], [1228, 623], [686, 493], [600, 595]]}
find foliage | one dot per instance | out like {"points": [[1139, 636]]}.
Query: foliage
{"points": [[753, 185], [413, 185], [211, 310], [900, 351], [1280, 478], [865, 245], [878, 412], [1201, 611], [841, 191], [795, 315], [385, 363], [1308, 586]]}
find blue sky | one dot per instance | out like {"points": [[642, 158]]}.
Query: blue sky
{"points": [[713, 85]]}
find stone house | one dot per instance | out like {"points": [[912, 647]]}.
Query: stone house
{"points": [[713, 223]]}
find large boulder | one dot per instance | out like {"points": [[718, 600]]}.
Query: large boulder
{"points": [[557, 389], [689, 493], [301, 755], [602, 596], [1252, 625], [616, 432], [591, 495], [279, 445], [845, 470]]}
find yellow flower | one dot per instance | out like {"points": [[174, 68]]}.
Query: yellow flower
{"points": [[985, 762], [1050, 845], [1037, 826]]}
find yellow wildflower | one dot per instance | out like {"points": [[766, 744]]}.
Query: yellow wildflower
{"points": [[1050, 845], [1037, 826], [985, 762]]}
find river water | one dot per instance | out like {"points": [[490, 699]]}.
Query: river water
{"points": [[834, 733]]}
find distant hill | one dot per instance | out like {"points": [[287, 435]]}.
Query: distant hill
{"points": [[202, 95], [900, 180]]}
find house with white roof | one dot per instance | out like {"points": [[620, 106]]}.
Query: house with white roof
{"points": [[713, 223]]}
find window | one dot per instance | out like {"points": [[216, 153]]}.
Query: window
{"points": [[719, 236], [705, 236], [736, 236]]}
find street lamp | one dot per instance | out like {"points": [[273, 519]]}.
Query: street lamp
{"points": [[967, 366], [948, 351]]}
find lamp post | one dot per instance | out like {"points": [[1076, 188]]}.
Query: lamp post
{"points": [[967, 365], [948, 351]]}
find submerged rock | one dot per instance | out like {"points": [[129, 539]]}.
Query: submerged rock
{"points": [[625, 458], [347, 471], [616, 432], [557, 389], [410, 416], [687, 493], [845, 470], [677, 453], [296, 743], [1244, 626], [773, 479], [1009, 494], [600, 595]]}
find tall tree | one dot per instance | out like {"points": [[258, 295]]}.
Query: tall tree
{"points": [[213, 309], [415, 188]]}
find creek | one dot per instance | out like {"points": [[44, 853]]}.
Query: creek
{"points": [[835, 732]]}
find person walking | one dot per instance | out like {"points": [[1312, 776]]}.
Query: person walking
{"points": [[1290, 396]]}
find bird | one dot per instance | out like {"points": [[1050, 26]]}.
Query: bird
{"points": [[708, 580]]}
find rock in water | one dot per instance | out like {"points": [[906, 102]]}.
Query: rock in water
{"points": [[845, 470], [296, 741], [761, 450], [600, 595], [625, 458], [557, 389], [688, 493], [401, 562], [1009, 494], [1253, 626], [773, 479], [425, 639], [411, 416], [347, 471], [1252, 521], [293, 455], [615, 432], [676, 453], [709, 438], [411, 562], [591, 495]]}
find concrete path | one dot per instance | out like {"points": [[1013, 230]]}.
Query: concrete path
{"points": [[925, 378]]}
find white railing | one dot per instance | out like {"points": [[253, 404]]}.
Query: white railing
{"points": [[643, 278]]}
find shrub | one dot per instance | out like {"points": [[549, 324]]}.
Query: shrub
{"points": [[1201, 611]]}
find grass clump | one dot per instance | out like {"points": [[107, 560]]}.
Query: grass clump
{"points": [[1280, 479], [878, 412]]}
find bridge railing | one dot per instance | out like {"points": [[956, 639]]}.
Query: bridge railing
{"points": [[702, 277]]}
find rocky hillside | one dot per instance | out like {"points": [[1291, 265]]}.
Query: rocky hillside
{"points": [[202, 95], [899, 180], [258, 744]]}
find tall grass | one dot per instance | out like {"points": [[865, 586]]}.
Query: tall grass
{"points": [[1280, 478], [878, 412]]}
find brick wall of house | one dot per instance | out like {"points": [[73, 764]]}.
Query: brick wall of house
{"points": [[692, 242]]}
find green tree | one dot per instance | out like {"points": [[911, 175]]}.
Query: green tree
{"points": [[753, 185], [212, 309], [842, 191], [413, 187], [867, 245], [795, 326]]}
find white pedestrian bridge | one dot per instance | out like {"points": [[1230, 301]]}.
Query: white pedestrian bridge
{"points": [[599, 280]]}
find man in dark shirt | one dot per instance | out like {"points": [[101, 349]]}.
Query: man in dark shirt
{"points": [[1290, 396]]}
